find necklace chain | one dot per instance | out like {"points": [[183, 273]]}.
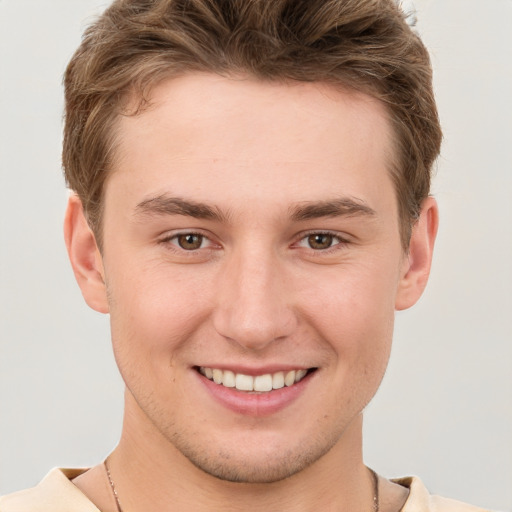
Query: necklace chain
{"points": [[119, 508], [112, 486]]}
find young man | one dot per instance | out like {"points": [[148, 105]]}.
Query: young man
{"points": [[251, 205]]}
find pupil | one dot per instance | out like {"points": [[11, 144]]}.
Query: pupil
{"points": [[190, 242], [320, 241]]}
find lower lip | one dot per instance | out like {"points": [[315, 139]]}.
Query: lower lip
{"points": [[255, 404]]}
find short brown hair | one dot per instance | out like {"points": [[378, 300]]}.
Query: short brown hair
{"points": [[365, 45]]}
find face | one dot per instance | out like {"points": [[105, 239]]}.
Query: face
{"points": [[253, 263]]}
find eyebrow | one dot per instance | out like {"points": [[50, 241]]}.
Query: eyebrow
{"points": [[344, 206], [165, 205]]}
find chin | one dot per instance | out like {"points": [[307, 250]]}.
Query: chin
{"points": [[249, 472], [254, 465]]}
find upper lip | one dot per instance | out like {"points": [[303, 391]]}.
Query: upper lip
{"points": [[256, 370]]}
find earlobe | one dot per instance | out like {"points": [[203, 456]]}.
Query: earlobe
{"points": [[417, 263], [85, 256]]}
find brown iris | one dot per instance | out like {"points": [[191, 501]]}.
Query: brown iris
{"points": [[320, 241], [190, 241]]}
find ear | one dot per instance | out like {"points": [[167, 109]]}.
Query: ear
{"points": [[85, 256], [416, 264]]}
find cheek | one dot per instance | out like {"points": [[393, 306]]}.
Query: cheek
{"points": [[353, 313], [153, 314], [357, 302]]}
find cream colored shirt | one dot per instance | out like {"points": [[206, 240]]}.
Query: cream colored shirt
{"points": [[56, 493]]}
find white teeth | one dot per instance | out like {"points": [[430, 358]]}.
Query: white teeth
{"points": [[278, 380], [263, 382], [260, 383], [300, 374], [244, 382], [217, 376], [289, 378], [228, 379]]}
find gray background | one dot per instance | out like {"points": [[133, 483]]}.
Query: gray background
{"points": [[445, 408]]}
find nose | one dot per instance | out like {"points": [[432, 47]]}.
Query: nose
{"points": [[253, 305]]}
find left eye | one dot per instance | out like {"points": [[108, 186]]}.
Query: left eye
{"points": [[190, 241], [320, 241]]}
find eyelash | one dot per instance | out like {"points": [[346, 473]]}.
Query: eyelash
{"points": [[169, 241], [338, 242]]}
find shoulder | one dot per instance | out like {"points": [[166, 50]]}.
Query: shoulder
{"points": [[55, 493], [420, 500]]}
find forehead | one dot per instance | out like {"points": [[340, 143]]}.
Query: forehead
{"points": [[196, 104], [248, 139]]}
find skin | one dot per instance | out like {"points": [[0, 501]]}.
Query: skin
{"points": [[261, 160]]}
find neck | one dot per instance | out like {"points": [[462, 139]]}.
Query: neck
{"points": [[151, 474]]}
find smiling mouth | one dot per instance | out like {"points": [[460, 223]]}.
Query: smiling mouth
{"points": [[258, 383]]}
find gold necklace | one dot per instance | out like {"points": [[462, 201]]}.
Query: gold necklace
{"points": [[119, 509], [112, 486]]}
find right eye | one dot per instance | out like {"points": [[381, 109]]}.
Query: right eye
{"points": [[188, 241]]}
